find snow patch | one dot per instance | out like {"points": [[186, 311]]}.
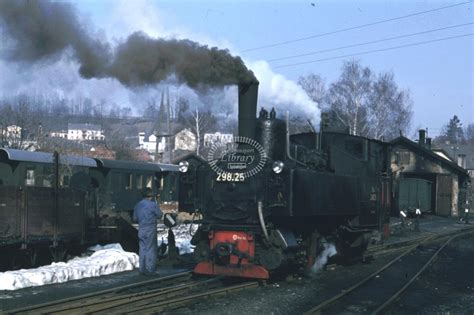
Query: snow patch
{"points": [[104, 261], [182, 234]]}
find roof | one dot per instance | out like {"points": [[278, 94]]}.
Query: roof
{"points": [[77, 160], [443, 154], [430, 154], [44, 157], [133, 165], [86, 126], [147, 136], [467, 149], [185, 131]]}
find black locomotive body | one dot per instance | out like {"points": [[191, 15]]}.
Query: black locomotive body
{"points": [[283, 205], [54, 204]]}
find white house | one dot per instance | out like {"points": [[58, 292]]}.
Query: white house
{"points": [[58, 134], [12, 132], [217, 138], [185, 140], [148, 143], [85, 132]]}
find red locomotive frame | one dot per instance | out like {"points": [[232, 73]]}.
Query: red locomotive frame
{"points": [[235, 252]]}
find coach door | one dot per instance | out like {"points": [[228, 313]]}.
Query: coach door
{"points": [[444, 194]]}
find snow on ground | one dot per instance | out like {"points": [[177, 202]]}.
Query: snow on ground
{"points": [[182, 234], [104, 260]]}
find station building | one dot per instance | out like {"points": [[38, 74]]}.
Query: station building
{"points": [[425, 179]]}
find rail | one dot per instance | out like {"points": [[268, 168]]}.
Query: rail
{"points": [[447, 238], [146, 297], [102, 294]]}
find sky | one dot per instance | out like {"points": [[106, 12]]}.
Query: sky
{"points": [[439, 75]]}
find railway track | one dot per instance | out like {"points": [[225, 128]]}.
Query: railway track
{"points": [[376, 292], [380, 250], [96, 297], [152, 296]]}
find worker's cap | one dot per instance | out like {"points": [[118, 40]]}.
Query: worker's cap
{"points": [[147, 192]]}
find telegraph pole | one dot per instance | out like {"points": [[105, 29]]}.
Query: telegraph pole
{"points": [[168, 117]]}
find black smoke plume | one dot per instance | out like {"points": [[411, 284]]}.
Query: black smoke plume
{"points": [[39, 31], [143, 60]]}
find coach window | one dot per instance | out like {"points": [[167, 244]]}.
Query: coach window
{"points": [[139, 181], [128, 181], [47, 176], [64, 180], [30, 177], [149, 181]]}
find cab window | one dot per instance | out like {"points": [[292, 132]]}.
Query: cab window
{"points": [[30, 177]]}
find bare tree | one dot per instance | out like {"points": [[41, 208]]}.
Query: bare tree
{"points": [[151, 108], [200, 122], [125, 112], [389, 109], [6, 117], [182, 105], [366, 104], [348, 97], [315, 87]]}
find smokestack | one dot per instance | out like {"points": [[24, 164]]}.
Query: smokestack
{"points": [[428, 143], [422, 137], [248, 94]]}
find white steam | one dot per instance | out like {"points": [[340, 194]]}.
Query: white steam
{"points": [[322, 259], [282, 93], [60, 79]]}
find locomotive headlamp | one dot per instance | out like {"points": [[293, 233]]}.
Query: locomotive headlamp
{"points": [[183, 166], [278, 166]]}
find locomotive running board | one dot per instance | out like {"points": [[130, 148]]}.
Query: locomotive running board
{"points": [[245, 271]]}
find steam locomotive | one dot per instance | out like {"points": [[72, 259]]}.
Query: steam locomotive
{"points": [[269, 200]]}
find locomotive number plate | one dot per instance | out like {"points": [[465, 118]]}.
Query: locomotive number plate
{"points": [[230, 177]]}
